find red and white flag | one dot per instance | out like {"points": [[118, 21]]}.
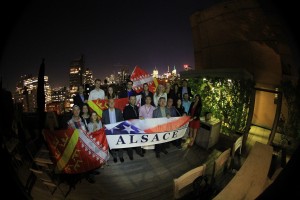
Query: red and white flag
{"points": [[75, 151], [139, 77]]}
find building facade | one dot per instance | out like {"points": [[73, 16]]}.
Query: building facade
{"points": [[246, 35]]}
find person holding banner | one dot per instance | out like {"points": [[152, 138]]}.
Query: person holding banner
{"points": [[131, 111], [97, 93], [160, 92], [173, 113], [110, 116], [76, 122], [94, 124], [161, 111], [146, 111]]}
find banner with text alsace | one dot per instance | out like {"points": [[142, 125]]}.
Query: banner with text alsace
{"points": [[143, 132]]}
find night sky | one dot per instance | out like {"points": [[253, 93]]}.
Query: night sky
{"points": [[109, 33], [145, 33]]}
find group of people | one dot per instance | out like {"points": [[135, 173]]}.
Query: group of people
{"points": [[167, 101]]}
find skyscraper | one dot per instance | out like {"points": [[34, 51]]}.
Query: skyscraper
{"points": [[77, 68], [26, 92]]}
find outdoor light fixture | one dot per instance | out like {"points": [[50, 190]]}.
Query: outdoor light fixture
{"points": [[276, 96]]}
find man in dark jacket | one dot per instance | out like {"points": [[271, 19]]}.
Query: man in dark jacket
{"points": [[131, 111], [110, 116]]}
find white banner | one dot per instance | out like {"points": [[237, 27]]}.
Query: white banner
{"points": [[143, 139]]}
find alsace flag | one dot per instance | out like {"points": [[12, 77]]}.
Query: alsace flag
{"points": [[143, 132], [101, 104], [75, 151], [139, 77]]}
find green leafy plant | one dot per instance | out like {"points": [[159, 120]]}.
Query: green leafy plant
{"points": [[227, 100]]}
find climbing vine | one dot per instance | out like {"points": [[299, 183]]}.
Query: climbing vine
{"points": [[227, 99]]}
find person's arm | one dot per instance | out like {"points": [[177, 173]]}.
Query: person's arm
{"points": [[119, 115], [90, 96], [141, 113], [125, 113]]}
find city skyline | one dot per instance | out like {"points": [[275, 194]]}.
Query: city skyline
{"points": [[136, 33]]}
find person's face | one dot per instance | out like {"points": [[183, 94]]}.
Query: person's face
{"points": [[184, 83], [132, 100], [80, 89], [97, 84], [110, 90], [85, 109], [186, 97], [161, 88], [146, 87], [94, 117], [179, 102], [76, 111], [168, 85], [170, 102], [129, 85], [148, 100], [162, 103], [196, 98], [111, 103]]}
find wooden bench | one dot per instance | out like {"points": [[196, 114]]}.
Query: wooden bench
{"points": [[250, 180]]}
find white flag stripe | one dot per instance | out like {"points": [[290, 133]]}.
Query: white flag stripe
{"points": [[144, 124], [110, 126], [92, 146], [140, 82]]}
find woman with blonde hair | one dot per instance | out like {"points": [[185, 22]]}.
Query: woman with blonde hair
{"points": [[160, 92]]}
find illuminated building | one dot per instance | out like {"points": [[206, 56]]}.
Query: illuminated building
{"points": [[27, 88], [77, 68]]}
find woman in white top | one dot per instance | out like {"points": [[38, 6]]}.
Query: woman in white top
{"points": [[95, 124], [160, 92]]}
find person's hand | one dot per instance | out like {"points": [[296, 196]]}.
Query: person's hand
{"points": [[168, 116], [85, 101], [141, 117]]}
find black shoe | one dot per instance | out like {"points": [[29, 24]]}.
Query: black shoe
{"points": [[115, 160], [91, 180], [141, 154], [165, 151], [143, 151], [157, 155], [131, 157], [96, 173], [122, 159]]}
